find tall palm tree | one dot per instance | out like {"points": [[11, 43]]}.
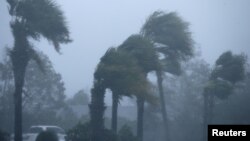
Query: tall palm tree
{"points": [[229, 69], [32, 19], [171, 39], [142, 50]]}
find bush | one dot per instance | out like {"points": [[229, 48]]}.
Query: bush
{"points": [[81, 132], [108, 135], [126, 134], [47, 136]]}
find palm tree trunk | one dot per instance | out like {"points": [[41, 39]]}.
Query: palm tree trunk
{"points": [[20, 58], [140, 114], [18, 113], [97, 109], [114, 111], [19, 61], [163, 104]]}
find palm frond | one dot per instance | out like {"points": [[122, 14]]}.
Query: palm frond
{"points": [[142, 50], [12, 5], [170, 30], [44, 18]]}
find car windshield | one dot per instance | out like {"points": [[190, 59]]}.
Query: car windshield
{"points": [[56, 130], [35, 130]]}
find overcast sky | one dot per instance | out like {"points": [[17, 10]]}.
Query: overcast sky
{"points": [[217, 26]]}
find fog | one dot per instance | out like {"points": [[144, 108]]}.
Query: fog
{"points": [[217, 26], [129, 74]]}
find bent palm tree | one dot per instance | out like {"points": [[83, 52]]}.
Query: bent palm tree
{"points": [[32, 19], [229, 70], [142, 50], [171, 39], [119, 72]]}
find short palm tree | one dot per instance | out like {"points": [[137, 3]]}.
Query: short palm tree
{"points": [[32, 19]]}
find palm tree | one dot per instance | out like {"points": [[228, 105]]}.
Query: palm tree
{"points": [[172, 40], [32, 19], [229, 69], [142, 50], [119, 72]]}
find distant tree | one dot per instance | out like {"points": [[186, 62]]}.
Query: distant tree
{"points": [[185, 102], [32, 19], [43, 90], [6, 99], [43, 93], [229, 69], [171, 38], [80, 98]]}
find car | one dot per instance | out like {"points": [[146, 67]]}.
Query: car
{"points": [[35, 130]]}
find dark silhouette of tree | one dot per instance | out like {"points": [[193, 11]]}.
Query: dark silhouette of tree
{"points": [[32, 19], [119, 72], [229, 69], [142, 50], [171, 38]]}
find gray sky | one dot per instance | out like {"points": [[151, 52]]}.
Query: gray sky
{"points": [[217, 26]]}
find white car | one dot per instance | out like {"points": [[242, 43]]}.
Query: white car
{"points": [[35, 130]]}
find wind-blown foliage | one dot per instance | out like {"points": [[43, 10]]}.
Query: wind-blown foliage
{"points": [[228, 64], [170, 34], [40, 18], [229, 70], [142, 50], [171, 38], [120, 73]]}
